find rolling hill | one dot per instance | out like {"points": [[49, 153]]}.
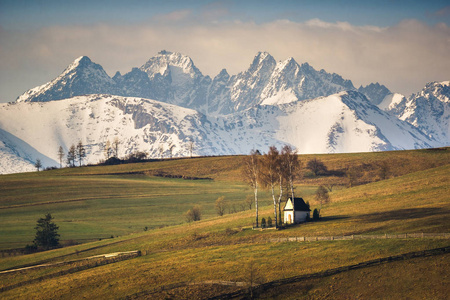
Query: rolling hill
{"points": [[188, 260]]}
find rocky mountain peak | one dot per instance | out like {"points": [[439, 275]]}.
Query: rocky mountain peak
{"points": [[263, 61]]}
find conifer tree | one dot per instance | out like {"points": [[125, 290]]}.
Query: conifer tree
{"points": [[46, 233]]}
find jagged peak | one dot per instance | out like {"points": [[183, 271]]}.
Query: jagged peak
{"points": [[290, 62], [164, 59], [262, 58], [223, 73], [80, 61]]}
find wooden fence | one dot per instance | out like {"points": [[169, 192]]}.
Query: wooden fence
{"points": [[362, 237], [268, 285]]}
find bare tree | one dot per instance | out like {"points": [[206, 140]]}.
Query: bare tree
{"points": [[251, 174], [60, 155], [249, 201], [271, 176], [190, 146], [322, 195], [316, 166], [108, 150], [116, 144], [292, 166], [81, 152], [38, 164], [220, 205]]}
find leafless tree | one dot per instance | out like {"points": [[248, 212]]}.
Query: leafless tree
{"points": [[252, 175], [271, 176], [316, 166], [322, 195], [116, 144], [220, 205], [108, 150], [292, 166], [60, 155], [190, 145], [38, 164]]}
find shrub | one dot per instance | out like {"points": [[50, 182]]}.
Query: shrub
{"points": [[269, 222], [316, 166], [194, 214], [220, 205], [316, 214], [263, 222]]}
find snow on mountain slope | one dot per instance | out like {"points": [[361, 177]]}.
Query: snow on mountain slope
{"points": [[428, 110], [17, 156], [176, 80], [344, 122], [79, 78], [140, 124]]}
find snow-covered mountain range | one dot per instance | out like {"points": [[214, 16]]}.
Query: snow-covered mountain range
{"points": [[168, 104]]}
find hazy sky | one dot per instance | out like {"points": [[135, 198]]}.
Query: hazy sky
{"points": [[401, 44]]}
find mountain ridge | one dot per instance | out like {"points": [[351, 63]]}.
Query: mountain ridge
{"points": [[168, 102]]}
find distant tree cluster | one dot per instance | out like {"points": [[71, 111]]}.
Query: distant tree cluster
{"points": [[76, 153]]}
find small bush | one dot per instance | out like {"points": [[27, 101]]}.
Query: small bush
{"points": [[316, 214], [269, 222], [194, 214], [263, 223]]}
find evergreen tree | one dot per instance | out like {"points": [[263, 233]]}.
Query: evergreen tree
{"points": [[71, 156], [81, 152], [46, 233]]}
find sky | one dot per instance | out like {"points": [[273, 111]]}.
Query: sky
{"points": [[401, 44]]}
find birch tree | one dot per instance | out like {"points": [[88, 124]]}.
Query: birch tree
{"points": [[292, 166], [252, 176], [270, 167]]}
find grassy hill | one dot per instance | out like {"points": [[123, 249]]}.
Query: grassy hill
{"points": [[97, 202]]}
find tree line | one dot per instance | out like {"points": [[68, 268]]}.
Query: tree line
{"points": [[76, 153]]}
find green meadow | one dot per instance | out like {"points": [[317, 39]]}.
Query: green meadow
{"points": [[106, 209]]}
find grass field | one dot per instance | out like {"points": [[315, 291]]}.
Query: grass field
{"points": [[97, 202]]}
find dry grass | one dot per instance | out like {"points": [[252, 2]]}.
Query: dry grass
{"points": [[225, 248]]}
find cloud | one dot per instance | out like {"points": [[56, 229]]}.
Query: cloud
{"points": [[403, 57]]}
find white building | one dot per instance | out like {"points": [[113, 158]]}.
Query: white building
{"points": [[296, 211]]}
